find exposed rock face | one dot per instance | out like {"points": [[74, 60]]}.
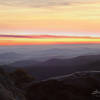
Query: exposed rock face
{"points": [[77, 86], [8, 90]]}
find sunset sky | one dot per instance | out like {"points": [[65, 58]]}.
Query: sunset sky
{"points": [[49, 21]]}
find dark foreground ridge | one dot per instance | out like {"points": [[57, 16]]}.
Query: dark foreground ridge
{"points": [[8, 90], [77, 86]]}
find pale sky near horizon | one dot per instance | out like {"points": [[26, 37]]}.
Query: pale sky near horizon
{"points": [[58, 17], [49, 17]]}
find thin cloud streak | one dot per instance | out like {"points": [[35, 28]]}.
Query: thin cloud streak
{"points": [[42, 3], [45, 36]]}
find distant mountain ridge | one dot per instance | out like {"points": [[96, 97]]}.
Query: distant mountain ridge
{"points": [[56, 66], [25, 63], [10, 54], [6, 58]]}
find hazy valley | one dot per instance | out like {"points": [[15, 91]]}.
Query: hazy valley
{"points": [[57, 72]]}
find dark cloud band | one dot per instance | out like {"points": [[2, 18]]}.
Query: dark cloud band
{"points": [[44, 36]]}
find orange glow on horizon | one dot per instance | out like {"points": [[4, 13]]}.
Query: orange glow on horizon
{"points": [[47, 40]]}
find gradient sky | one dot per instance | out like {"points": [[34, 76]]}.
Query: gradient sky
{"points": [[49, 17]]}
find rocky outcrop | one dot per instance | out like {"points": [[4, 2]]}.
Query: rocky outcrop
{"points": [[77, 86], [8, 90]]}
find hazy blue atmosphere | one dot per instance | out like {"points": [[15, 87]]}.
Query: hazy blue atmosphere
{"points": [[9, 54]]}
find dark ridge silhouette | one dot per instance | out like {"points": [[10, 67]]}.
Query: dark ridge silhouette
{"points": [[83, 85], [76, 86], [56, 67]]}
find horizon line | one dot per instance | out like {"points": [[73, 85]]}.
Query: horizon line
{"points": [[46, 40]]}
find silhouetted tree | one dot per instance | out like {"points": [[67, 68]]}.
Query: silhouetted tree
{"points": [[21, 77]]}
